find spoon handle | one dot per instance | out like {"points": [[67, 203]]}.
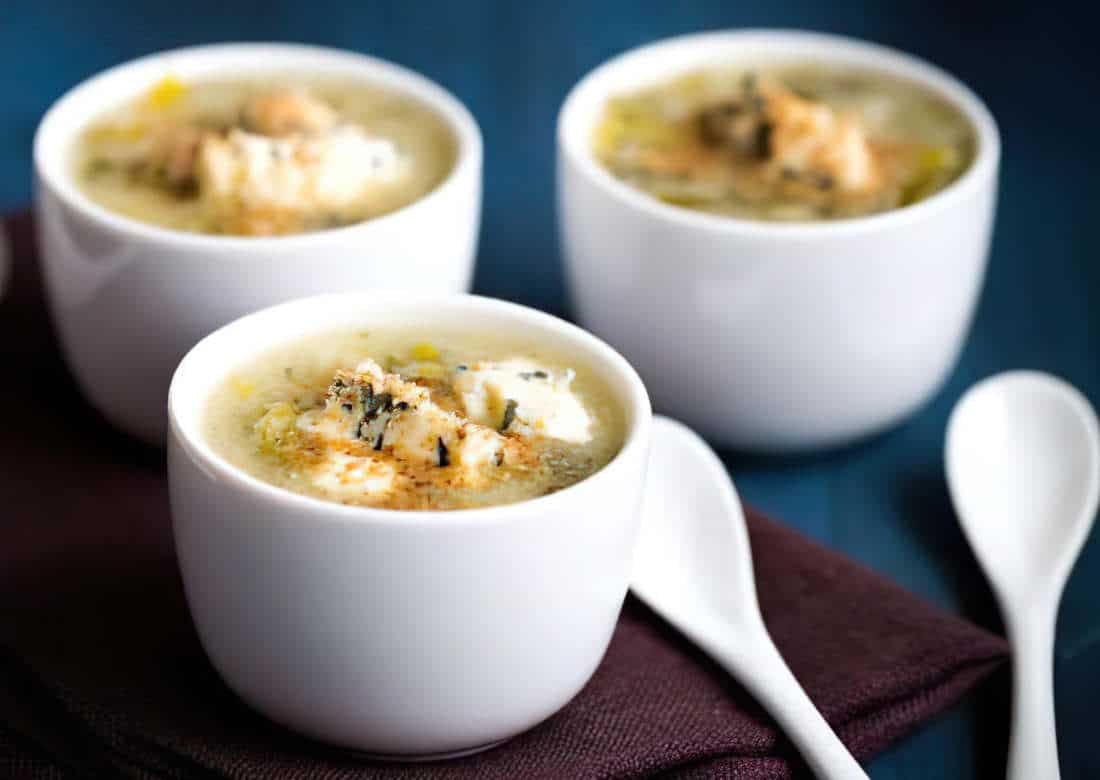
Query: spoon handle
{"points": [[1033, 747], [763, 671]]}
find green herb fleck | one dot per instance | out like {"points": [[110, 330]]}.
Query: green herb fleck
{"points": [[509, 414]]}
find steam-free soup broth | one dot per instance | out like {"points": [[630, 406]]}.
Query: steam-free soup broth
{"points": [[410, 418], [793, 142], [273, 156]]}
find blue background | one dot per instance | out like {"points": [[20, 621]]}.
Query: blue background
{"points": [[884, 502]]}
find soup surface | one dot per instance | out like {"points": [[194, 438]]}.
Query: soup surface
{"points": [[797, 142], [413, 418], [284, 154]]}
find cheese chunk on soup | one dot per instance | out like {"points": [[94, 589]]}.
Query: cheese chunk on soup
{"points": [[258, 158], [793, 143], [404, 419]]}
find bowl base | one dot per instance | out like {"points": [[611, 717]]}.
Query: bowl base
{"points": [[417, 758]]}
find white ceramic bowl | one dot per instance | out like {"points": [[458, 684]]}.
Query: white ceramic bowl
{"points": [[774, 336], [415, 634], [129, 299]]}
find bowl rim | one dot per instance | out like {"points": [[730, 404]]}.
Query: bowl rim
{"points": [[634, 401], [827, 47], [53, 174]]}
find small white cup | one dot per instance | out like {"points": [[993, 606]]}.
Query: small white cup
{"points": [[128, 298], [400, 633], [774, 336]]}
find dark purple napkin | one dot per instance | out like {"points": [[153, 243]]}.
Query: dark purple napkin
{"points": [[101, 674]]}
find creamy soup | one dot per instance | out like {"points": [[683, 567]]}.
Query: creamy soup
{"points": [[284, 154], [415, 419], [799, 142]]}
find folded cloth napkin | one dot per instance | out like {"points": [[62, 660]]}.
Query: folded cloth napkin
{"points": [[101, 673]]}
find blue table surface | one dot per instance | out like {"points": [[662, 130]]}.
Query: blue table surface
{"points": [[883, 502]]}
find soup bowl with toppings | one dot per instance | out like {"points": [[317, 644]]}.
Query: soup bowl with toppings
{"points": [[405, 523], [785, 232], [180, 191]]}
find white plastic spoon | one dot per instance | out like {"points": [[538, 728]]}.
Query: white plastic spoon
{"points": [[1023, 466], [693, 565]]}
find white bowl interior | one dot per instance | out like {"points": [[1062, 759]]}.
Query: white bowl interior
{"points": [[55, 139], [208, 364], [664, 60]]}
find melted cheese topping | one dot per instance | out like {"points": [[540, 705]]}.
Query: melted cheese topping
{"points": [[247, 180], [348, 476], [808, 137], [542, 402], [287, 112], [378, 433]]}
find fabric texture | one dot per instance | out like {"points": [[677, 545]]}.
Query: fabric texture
{"points": [[102, 675]]}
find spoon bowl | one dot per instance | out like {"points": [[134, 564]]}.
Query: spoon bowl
{"points": [[1023, 466], [693, 566], [693, 525]]}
